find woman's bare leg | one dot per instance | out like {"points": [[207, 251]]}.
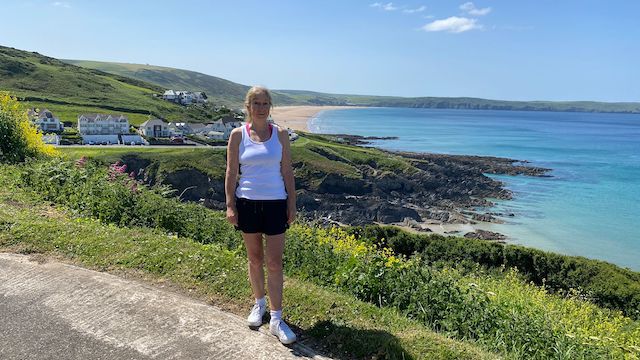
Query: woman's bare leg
{"points": [[275, 248], [255, 254]]}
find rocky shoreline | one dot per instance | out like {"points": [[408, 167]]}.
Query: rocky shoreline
{"points": [[446, 189]]}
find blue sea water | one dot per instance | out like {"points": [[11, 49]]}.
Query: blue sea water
{"points": [[590, 206]]}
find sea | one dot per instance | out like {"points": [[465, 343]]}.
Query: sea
{"points": [[589, 206]]}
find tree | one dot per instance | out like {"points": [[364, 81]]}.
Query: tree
{"points": [[19, 139]]}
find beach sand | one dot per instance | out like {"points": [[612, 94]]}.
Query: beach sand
{"points": [[297, 117]]}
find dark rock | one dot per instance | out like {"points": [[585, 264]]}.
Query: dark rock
{"points": [[336, 184], [485, 235], [390, 214], [483, 217]]}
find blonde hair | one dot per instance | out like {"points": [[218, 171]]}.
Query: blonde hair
{"points": [[251, 94]]}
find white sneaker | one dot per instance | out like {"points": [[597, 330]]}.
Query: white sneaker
{"points": [[255, 317], [280, 329]]}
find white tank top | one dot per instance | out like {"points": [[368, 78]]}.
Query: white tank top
{"points": [[260, 176]]}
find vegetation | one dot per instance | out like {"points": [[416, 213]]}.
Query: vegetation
{"points": [[346, 327], [597, 281], [232, 94], [499, 311], [69, 90], [19, 139]]}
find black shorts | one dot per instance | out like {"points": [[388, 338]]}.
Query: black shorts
{"points": [[262, 216]]}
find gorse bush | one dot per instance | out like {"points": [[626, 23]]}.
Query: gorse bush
{"points": [[111, 195], [602, 283], [19, 139]]}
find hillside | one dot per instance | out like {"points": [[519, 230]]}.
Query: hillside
{"points": [[218, 90], [231, 94], [69, 90]]}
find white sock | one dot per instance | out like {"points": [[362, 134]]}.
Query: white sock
{"points": [[262, 302], [276, 315]]}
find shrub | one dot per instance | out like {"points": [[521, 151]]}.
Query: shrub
{"points": [[502, 312], [19, 139], [602, 283], [115, 197]]}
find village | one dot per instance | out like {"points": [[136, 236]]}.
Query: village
{"points": [[114, 129]]}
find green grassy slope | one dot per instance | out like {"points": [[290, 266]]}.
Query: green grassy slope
{"points": [[68, 90], [219, 91], [231, 94]]}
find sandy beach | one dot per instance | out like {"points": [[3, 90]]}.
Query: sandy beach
{"points": [[297, 117]]}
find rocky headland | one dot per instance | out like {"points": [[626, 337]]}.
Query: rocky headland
{"points": [[440, 189]]}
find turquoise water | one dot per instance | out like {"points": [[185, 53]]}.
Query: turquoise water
{"points": [[589, 207]]}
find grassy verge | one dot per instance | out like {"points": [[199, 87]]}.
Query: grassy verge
{"points": [[347, 328]]}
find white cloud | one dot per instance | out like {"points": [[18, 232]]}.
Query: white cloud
{"points": [[416, 10], [472, 10], [62, 4], [453, 24], [386, 7]]}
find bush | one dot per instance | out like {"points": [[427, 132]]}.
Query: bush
{"points": [[602, 283], [19, 139], [501, 312], [115, 197]]}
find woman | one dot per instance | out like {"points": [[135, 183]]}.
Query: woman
{"points": [[262, 202]]}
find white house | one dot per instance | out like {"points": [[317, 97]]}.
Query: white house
{"points": [[171, 95], [179, 128], [154, 128], [52, 139], [102, 124], [215, 135], [45, 121], [185, 97], [226, 124]]}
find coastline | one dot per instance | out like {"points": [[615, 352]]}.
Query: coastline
{"points": [[297, 117]]}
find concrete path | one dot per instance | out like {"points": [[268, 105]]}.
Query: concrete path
{"points": [[59, 311]]}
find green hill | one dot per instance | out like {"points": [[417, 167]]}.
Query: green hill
{"points": [[460, 103], [231, 94], [69, 90], [219, 91]]}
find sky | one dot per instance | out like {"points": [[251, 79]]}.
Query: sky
{"points": [[493, 49]]}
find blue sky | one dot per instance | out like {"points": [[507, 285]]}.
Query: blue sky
{"points": [[507, 49]]}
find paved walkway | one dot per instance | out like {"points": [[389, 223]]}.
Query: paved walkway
{"points": [[59, 311]]}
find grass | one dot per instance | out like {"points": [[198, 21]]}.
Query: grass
{"points": [[70, 90], [207, 160], [344, 327], [309, 153]]}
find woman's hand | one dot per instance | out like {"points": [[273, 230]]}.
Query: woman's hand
{"points": [[232, 215], [291, 212]]}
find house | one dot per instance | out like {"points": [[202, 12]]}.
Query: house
{"points": [[179, 128], [171, 95], [45, 121], [227, 124], [154, 128], [199, 129], [215, 135], [102, 124], [185, 97], [51, 139]]}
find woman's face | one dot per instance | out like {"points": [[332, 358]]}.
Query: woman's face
{"points": [[259, 107]]}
